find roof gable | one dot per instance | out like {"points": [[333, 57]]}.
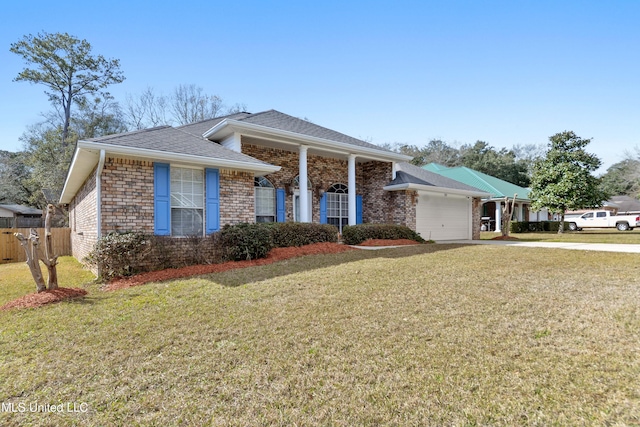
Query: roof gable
{"points": [[277, 120], [174, 140]]}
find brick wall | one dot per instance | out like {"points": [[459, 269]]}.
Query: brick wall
{"points": [[83, 219], [127, 205], [237, 201], [127, 195]]}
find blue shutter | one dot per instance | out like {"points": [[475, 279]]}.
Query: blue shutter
{"points": [[358, 209], [280, 209], [161, 199], [323, 209], [212, 200]]}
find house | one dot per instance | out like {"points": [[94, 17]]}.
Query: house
{"points": [[498, 190], [19, 216], [625, 205], [262, 167]]}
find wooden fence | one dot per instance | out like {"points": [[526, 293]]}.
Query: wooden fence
{"points": [[11, 251]]}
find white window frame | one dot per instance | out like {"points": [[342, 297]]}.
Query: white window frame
{"points": [[183, 200], [259, 190], [339, 192]]}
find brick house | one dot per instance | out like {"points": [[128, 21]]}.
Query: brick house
{"points": [[268, 166]]}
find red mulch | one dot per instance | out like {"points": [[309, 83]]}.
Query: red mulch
{"points": [[505, 238], [277, 254], [389, 242], [46, 297]]}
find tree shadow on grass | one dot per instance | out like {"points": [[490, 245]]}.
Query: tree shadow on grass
{"points": [[243, 276]]}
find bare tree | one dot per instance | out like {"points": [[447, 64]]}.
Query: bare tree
{"points": [[146, 110], [35, 253], [187, 104]]}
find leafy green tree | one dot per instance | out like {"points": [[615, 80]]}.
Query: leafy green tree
{"points": [[65, 65], [501, 164], [47, 159], [563, 180], [14, 179], [623, 178]]}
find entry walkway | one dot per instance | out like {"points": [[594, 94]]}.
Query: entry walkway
{"points": [[603, 247]]}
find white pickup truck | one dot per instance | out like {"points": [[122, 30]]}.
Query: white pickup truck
{"points": [[603, 219]]}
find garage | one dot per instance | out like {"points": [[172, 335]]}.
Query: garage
{"points": [[444, 208], [443, 216]]}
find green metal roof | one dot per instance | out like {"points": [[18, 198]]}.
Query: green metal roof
{"points": [[498, 188]]}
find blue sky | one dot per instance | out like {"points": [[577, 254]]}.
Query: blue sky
{"points": [[505, 72]]}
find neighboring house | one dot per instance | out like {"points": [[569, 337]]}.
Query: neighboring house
{"points": [[19, 216], [497, 188], [193, 179], [625, 205]]}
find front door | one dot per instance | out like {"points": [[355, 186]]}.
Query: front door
{"points": [[296, 205]]}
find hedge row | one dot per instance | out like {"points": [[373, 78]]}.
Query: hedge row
{"points": [[356, 234], [533, 226], [125, 254]]}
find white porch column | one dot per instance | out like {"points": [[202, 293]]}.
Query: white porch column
{"points": [[498, 216], [352, 189], [304, 197]]}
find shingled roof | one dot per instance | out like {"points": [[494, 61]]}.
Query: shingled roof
{"points": [[172, 140]]}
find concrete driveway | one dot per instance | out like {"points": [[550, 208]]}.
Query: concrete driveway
{"points": [[604, 247]]}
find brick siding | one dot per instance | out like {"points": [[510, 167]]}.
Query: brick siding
{"points": [[378, 206], [83, 219]]}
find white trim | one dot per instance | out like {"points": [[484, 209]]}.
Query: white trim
{"points": [[237, 126], [351, 189], [177, 157], [422, 187], [302, 185], [99, 193]]}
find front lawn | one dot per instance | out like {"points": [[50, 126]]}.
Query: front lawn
{"points": [[422, 335], [585, 236], [16, 279]]}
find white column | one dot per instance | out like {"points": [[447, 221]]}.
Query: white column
{"points": [[304, 197], [498, 216], [352, 189]]}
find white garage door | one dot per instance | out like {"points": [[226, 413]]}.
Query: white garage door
{"points": [[443, 217]]}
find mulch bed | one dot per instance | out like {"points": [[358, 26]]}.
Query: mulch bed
{"points": [[46, 297], [505, 238], [277, 254]]}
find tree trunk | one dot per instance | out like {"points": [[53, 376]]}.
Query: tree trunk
{"points": [[36, 254], [561, 225], [48, 258], [32, 258]]}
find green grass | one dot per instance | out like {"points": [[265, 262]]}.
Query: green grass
{"points": [[424, 335], [16, 279], [584, 236]]}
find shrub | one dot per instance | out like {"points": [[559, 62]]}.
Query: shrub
{"points": [[534, 226], [288, 234], [119, 254], [356, 234], [244, 241]]}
